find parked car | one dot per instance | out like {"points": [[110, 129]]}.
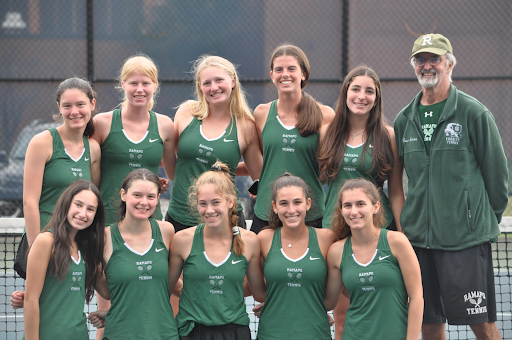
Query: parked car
{"points": [[11, 174]]}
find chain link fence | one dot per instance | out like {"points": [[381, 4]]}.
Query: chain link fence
{"points": [[44, 42]]}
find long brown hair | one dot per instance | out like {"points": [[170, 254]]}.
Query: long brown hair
{"points": [[309, 117], [338, 223], [286, 180], [90, 240], [220, 177], [332, 148]]}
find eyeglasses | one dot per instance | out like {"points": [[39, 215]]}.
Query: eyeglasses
{"points": [[434, 61]]}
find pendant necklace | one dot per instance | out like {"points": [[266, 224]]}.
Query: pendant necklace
{"points": [[354, 136], [297, 240]]}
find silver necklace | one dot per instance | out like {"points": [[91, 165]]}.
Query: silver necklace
{"points": [[297, 240]]}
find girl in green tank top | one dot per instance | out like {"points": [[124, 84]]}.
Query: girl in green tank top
{"points": [[215, 257], [295, 267], [137, 270], [288, 129], [379, 269], [57, 157], [133, 137], [64, 263], [359, 144], [217, 126]]}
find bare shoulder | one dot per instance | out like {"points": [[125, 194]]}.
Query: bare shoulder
{"points": [[391, 131], [249, 237], [262, 110], [103, 119], [397, 240], [265, 236], [93, 145], [337, 248], [166, 227], [327, 114], [40, 147], [42, 139], [325, 235], [44, 239], [102, 123], [185, 235]]}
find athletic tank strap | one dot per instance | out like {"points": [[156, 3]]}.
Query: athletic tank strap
{"points": [[156, 233], [276, 241], [313, 240], [197, 243], [153, 122], [383, 243], [57, 141], [347, 249], [115, 235], [117, 123], [273, 108]]}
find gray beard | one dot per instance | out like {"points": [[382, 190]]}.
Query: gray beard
{"points": [[428, 83]]}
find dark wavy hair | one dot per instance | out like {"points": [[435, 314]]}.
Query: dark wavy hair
{"points": [[84, 86], [332, 148], [309, 117], [90, 241], [338, 223], [286, 180]]}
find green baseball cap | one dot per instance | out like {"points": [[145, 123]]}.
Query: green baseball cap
{"points": [[433, 43]]}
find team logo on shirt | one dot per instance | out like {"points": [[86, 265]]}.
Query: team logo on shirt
{"points": [[453, 133], [135, 157], [216, 282], [475, 298], [204, 151], [428, 130], [77, 172], [288, 142], [145, 270], [350, 161], [366, 279], [76, 278], [294, 277]]}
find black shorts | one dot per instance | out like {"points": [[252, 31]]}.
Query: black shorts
{"points": [[178, 226], [458, 286], [258, 224], [224, 332]]}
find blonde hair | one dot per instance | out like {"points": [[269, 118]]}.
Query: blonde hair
{"points": [[238, 107], [220, 177], [144, 65], [338, 223]]}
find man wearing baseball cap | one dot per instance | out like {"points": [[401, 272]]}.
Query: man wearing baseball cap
{"points": [[453, 155]]}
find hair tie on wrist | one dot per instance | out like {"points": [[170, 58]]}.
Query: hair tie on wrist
{"points": [[215, 167], [235, 230]]}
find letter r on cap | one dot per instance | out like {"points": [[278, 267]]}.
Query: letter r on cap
{"points": [[427, 40]]}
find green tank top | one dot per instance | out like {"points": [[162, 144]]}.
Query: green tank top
{"points": [[120, 156], [196, 154], [139, 290], [61, 305], [376, 289], [285, 150], [351, 168], [59, 172], [213, 293], [295, 307]]}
